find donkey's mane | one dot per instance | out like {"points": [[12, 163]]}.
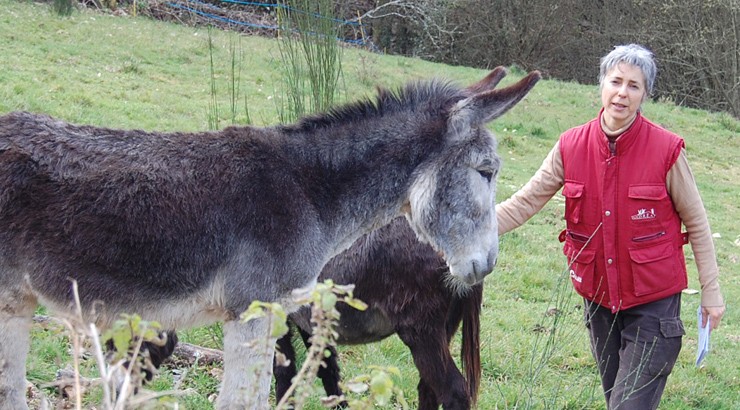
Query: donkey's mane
{"points": [[432, 96]]}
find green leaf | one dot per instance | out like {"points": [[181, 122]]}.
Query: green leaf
{"points": [[355, 303], [279, 328], [256, 310], [328, 302], [381, 386], [357, 388]]}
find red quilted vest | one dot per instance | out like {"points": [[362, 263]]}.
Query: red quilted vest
{"points": [[623, 238]]}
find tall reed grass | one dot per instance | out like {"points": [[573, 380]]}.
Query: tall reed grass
{"points": [[311, 57], [63, 7]]}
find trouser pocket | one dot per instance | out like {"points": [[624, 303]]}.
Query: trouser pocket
{"points": [[666, 347]]}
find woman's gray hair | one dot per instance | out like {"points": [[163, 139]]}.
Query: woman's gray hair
{"points": [[634, 54]]}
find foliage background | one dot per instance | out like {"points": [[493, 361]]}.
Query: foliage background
{"points": [[697, 42]]}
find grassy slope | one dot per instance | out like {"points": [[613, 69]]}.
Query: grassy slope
{"points": [[133, 72]]}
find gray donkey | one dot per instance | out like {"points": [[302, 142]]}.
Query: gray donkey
{"points": [[190, 228]]}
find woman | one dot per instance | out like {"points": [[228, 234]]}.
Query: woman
{"points": [[628, 188]]}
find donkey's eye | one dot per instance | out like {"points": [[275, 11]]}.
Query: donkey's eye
{"points": [[488, 175]]}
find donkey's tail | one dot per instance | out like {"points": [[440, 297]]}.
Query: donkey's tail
{"points": [[470, 352]]}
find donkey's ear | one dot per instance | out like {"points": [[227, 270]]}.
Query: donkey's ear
{"points": [[488, 105], [489, 82]]}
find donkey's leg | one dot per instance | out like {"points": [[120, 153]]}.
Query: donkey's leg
{"points": [[328, 373], [158, 354], [15, 328], [248, 355], [284, 374], [439, 377], [427, 398]]}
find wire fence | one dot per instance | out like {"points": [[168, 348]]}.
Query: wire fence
{"points": [[258, 17]]}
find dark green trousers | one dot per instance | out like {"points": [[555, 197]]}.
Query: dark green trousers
{"points": [[635, 350]]}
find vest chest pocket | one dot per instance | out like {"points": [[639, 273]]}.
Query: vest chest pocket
{"points": [[574, 199], [653, 268], [648, 205]]}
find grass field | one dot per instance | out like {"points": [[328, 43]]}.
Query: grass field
{"points": [[131, 72]]}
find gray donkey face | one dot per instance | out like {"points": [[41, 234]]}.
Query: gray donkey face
{"points": [[452, 200]]}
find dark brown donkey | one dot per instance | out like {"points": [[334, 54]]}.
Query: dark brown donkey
{"points": [[409, 292]]}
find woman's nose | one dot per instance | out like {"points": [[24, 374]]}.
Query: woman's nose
{"points": [[622, 90]]}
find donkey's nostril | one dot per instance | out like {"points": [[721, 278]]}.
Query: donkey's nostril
{"points": [[481, 269]]}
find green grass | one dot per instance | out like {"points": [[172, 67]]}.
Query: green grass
{"points": [[137, 73]]}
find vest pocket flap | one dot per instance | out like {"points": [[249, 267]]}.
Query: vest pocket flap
{"points": [[585, 256], [653, 253], [573, 193], [572, 189], [650, 192], [582, 268]]}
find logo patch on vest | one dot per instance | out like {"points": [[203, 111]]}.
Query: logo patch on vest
{"points": [[643, 214]]}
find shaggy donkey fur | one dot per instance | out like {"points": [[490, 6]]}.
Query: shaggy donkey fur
{"points": [[190, 228]]}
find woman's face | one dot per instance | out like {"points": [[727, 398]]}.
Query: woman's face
{"points": [[622, 92]]}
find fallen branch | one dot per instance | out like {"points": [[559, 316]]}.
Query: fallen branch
{"points": [[190, 353]]}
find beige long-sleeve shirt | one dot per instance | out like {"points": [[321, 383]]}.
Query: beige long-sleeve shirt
{"points": [[681, 186]]}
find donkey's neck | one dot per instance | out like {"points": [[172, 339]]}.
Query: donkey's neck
{"points": [[359, 181]]}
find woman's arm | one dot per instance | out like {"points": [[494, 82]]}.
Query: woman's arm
{"points": [[685, 195], [529, 200]]}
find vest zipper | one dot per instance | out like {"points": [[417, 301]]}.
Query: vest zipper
{"points": [[646, 238], [578, 237]]}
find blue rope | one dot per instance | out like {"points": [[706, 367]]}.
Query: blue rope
{"points": [[282, 6], [219, 18]]}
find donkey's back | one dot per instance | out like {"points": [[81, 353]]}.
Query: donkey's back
{"points": [[180, 228], [136, 218]]}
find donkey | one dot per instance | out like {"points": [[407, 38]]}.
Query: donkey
{"points": [[409, 292], [190, 228]]}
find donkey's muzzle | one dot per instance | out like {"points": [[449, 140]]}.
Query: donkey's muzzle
{"points": [[476, 270], [480, 271]]}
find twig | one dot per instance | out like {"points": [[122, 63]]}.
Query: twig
{"points": [[102, 368]]}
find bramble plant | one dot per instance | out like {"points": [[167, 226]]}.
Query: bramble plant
{"points": [[324, 318], [379, 388], [122, 374]]}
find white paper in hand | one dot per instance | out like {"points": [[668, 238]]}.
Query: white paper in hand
{"points": [[703, 347]]}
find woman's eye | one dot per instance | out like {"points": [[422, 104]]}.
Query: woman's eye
{"points": [[488, 175]]}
